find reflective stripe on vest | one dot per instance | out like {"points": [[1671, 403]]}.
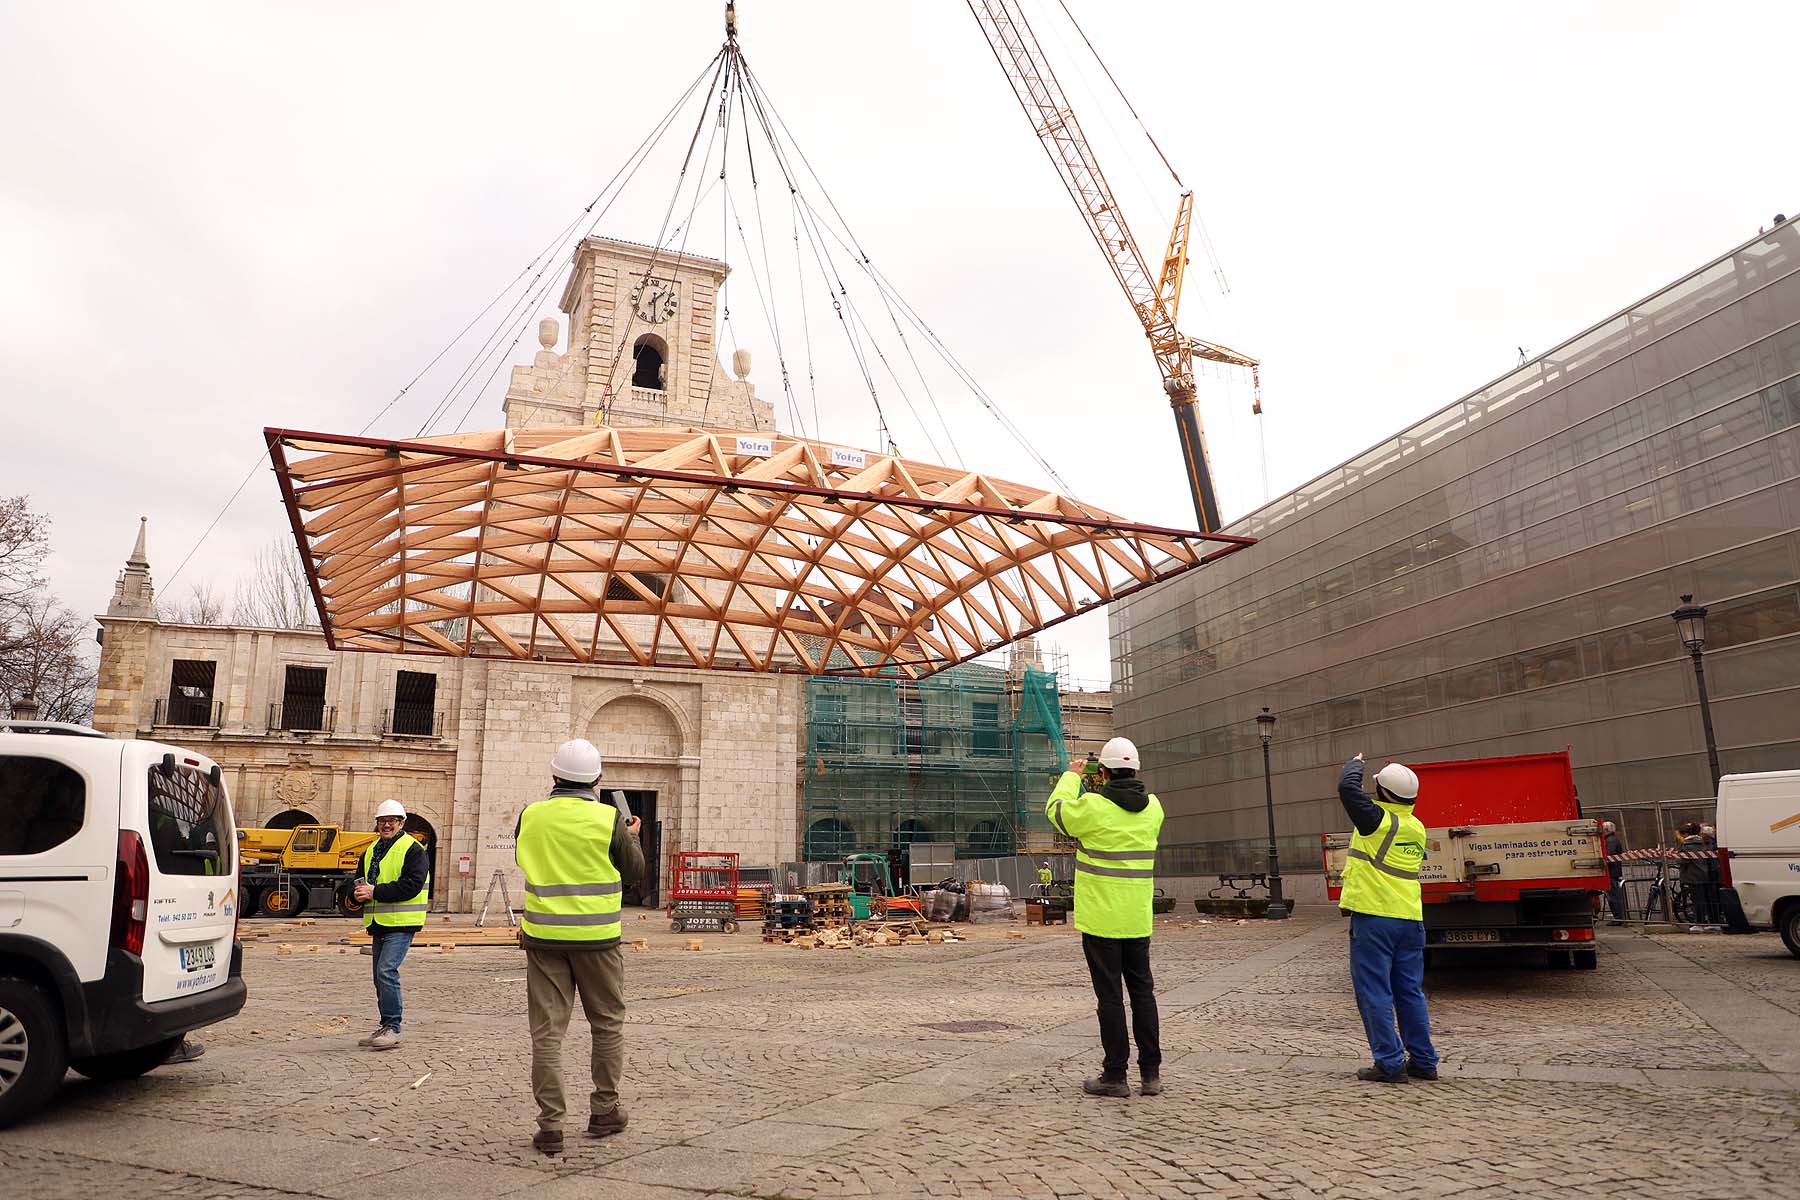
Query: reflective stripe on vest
{"points": [[1115, 858], [1377, 878], [406, 914], [573, 891]]}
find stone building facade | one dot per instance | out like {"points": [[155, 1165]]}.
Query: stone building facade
{"points": [[709, 759]]}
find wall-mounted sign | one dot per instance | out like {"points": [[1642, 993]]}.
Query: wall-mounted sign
{"points": [[756, 447], [848, 458], [465, 865]]}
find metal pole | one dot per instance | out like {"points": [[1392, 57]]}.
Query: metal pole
{"points": [[1712, 745], [1277, 906]]}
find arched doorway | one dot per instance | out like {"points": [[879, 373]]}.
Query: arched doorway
{"points": [[988, 840], [291, 818], [421, 831], [649, 356], [828, 840]]}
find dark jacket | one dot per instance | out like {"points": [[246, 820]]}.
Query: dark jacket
{"points": [[627, 858], [412, 872], [1614, 845], [1695, 871], [1363, 812]]}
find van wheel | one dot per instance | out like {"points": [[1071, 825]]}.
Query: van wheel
{"points": [[1559, 960], [1586, 960], [282, 901], [1790, 929], [125, 1064], [33, 1053]]}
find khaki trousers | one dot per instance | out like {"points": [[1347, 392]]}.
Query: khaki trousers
{"points": [[552, 977]]}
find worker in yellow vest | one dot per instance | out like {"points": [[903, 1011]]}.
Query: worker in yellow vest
{"points": [[1115, 822], [1387, 921], [579, 853], [394, 891]]}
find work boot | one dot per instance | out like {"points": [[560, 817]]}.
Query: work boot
{"points": [[1100, 1085], [1418, 1072], [368, 1039], [607, 1124], [385, 1039], [1150, 1085], [1377, 1075], [547, 1141], [186, 1051]]}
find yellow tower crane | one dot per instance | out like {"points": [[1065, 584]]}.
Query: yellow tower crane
{"points": [[1155, 296]]}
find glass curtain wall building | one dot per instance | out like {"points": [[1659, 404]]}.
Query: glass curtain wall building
{"points": [[1498, 579]]}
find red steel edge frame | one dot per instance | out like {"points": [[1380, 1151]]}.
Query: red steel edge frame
{"points": [[277, 440]]}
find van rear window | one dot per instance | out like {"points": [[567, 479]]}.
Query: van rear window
{"points": [[42, 804], [190, 827]]}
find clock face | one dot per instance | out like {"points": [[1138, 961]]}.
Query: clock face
{"points": [[653, 301]]}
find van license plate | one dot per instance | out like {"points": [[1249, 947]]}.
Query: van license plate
{"points": [[197, 958], [1471, 935]]}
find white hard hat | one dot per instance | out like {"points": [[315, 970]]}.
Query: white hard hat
{"points": [[1610, 827], [1398, 781], [390, 808], [1119, 754], [576, 761]]}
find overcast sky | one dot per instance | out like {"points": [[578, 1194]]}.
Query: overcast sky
{"points": [[219, 217]]}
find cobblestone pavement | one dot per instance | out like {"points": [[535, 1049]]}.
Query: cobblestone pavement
{"points": [[768, 1071]]}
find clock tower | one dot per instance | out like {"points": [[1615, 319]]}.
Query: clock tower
{"points": [[641, 347]]}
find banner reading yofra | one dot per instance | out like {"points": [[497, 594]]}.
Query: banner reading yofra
{"points": [[755, 447], [854, 459]]}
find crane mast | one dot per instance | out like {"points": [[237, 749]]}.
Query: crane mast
{"points": [[1155, 297]]}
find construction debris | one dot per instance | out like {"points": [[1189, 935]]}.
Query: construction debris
{"points": [[696, 943]]}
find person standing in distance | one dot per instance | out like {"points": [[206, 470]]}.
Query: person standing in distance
{"points": [[579, 853], [394, 890], [1387, 921], [1115, 822]]}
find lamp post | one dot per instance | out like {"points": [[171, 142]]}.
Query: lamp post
{"points": [[1690, 619], [1265, 729]]}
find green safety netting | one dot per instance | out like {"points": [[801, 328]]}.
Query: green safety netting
{"points": [[966, 755]]}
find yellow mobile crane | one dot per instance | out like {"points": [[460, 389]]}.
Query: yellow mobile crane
{"points": [[1154, 296]]}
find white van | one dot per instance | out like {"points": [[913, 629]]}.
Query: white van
{"points": [[118, 906], [1759, 852]]}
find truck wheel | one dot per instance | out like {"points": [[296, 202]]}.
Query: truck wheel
{"points": [[33, 1053], [1586, 960], [247, 899], [279, 901], [1790, 929], [125, 1064], [347, 904]]}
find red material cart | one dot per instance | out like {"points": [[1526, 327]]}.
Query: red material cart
{"points": [[703, 895]]}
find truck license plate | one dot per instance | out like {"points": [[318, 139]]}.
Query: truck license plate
{"points": [[197, 958], [1471, 935]]}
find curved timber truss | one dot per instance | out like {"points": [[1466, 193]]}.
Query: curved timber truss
{"points": [[696, 548]]}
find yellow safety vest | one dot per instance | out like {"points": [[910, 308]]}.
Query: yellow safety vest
{"points": [[572, 889], [404, 914], [1381, 874], [1115, 858]]}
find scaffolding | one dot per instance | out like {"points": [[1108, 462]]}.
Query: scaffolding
{"points": [[966, 755]]}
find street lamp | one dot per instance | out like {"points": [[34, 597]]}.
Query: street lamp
{"points": [[1265, 729], [1690, 620]]}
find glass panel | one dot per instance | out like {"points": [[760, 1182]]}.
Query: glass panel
{"points": [[190, 823], [43, 804]]}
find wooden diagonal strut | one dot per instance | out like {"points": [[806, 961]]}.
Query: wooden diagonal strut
{"points": [[672, 547]]}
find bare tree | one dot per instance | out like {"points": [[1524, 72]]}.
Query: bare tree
{"points": [[24, 540], [201, 606], [277, 595], [49, 658]]}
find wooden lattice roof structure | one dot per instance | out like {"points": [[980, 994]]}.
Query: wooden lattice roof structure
{"points": [[696, 548]]}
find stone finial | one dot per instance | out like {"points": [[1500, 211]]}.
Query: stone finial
{"points": [[134, 595], [740, 364], [548, 331]]}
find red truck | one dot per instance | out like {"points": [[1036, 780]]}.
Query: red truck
{"points": [[1510, 861]]}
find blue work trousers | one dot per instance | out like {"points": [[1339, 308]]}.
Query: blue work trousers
{"points": [[1387, 965], [389, 949]]}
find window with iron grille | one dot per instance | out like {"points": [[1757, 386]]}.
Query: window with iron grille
{"points": [[415, 703], [618, 589], [303, 699], [190, 692]]}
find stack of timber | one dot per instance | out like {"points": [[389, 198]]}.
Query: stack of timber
{"points": [[830, 903], [752, 902]]}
